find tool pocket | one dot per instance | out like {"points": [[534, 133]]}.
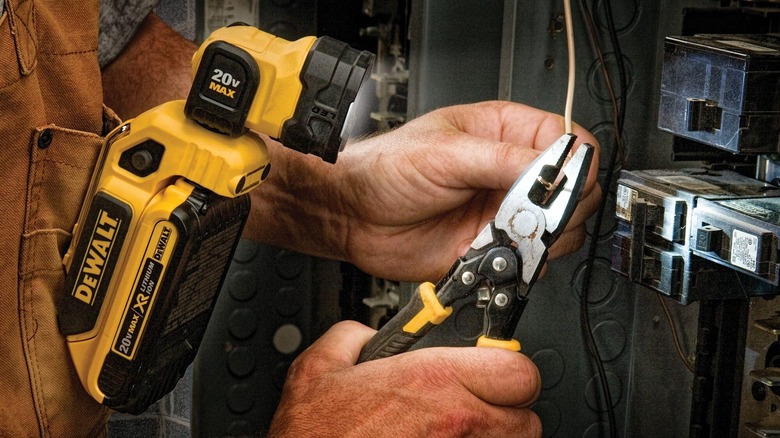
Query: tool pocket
{"points": [[61, 165]]}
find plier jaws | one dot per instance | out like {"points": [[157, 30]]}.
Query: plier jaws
{"points": [[539, 204], [542, 200]]}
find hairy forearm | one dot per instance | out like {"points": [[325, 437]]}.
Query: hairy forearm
{"points": [[300, 206], [154, 68]]}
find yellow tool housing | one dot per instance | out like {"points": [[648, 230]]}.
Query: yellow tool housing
{"points": [[153, 242], [279, 64], [169, 198]]}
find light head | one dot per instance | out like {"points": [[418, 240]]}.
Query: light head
{"points": [[299, 92]]}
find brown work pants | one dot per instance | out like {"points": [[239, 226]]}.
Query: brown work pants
{"points": [[51, 120]]}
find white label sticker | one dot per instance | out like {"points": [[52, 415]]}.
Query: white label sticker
{"points": [[625, 199], [744, 250]]}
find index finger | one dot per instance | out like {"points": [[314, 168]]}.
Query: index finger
{"points": [[519, 129], [510, 122]]}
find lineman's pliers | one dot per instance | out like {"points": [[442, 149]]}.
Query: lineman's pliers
{"points": [[504, 260]]}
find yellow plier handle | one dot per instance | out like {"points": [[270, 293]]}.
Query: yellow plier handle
{"points": [[511, 344], [418, 317]]}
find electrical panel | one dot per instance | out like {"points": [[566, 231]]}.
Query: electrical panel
{"points": [[710, 234]]}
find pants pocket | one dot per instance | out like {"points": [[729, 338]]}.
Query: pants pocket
{"points": [[61, 167]]}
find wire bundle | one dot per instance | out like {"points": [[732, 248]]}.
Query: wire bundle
{"points": [[618, 119]]}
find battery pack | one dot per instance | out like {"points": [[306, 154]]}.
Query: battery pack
{"points": [[150, 251], [158, 325], [167, 337]]}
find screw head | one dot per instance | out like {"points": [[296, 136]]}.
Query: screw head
{"points": [[467, 277], [758, 391], [501, 300], [499, 264]]}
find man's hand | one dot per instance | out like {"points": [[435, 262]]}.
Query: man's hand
{"points": [[434, 392], [405, 204]]}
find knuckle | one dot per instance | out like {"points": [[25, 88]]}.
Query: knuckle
{"points": [[296, 371], [426, 379], [305, 368], [505, 152], [445, 373], [458, 421], [526, 376]]}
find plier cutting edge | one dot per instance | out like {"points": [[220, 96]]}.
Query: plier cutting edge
{"points": [[504, 260]]}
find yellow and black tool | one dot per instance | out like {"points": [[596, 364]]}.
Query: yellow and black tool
{"points": [[169, 198], [504, 260]]}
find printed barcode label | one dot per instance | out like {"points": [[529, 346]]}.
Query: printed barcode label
{"points": [[744, 250], [625, 199]]}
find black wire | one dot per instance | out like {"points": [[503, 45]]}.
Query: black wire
{"points": [[613, 36], [618, 117]]}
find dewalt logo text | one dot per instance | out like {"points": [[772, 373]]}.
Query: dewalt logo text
{"points": [[100, 246], [162, 243]]}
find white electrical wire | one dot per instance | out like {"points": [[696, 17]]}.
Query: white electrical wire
{"points": [[570, 86]]}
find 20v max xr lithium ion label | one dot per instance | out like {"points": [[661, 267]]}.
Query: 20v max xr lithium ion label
{"points": [[147, 283]]}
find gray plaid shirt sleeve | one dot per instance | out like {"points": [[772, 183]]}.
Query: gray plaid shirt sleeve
{"points": [[119, 20]]}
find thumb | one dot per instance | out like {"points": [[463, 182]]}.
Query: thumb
{"points": [[340, 346]]}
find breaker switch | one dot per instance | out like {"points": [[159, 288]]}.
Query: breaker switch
{"points": [[708, 238]]}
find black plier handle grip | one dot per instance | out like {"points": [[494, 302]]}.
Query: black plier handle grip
{"points": [[494, 269]]}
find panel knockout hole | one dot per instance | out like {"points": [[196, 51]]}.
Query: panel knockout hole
{"points": [[773, 361], [758, 390], [287, 339], [595, 398]]}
